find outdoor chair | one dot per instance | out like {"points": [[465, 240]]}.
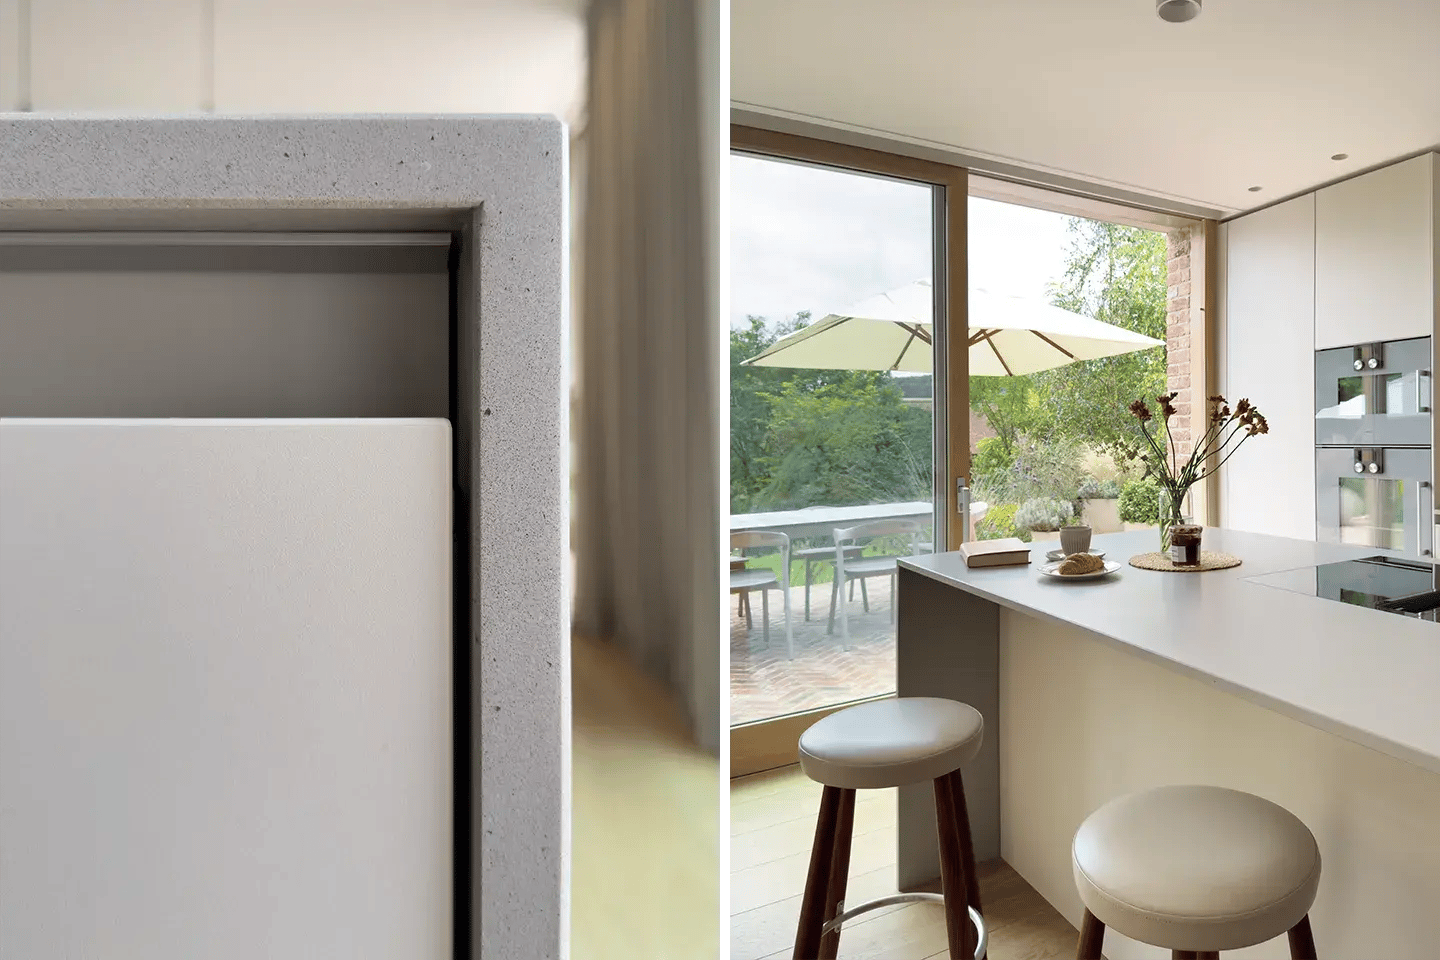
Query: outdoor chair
{"points": [[744, 582], [847, 568]]}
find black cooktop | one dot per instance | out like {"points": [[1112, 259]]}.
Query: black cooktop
{"points": [[1391, 584]]}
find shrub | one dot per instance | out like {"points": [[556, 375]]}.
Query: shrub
{"points": [[1046, 469], [999, 523], [990, 458], [1093, 489], [1043, 513], [1140, 502]]}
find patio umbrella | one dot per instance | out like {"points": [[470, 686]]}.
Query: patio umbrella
{"points": [[1008, 336]]}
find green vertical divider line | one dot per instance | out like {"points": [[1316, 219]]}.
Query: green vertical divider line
{"points": [[722, 619]]}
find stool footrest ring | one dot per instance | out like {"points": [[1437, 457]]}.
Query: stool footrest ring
{"points": [[981, 945]]}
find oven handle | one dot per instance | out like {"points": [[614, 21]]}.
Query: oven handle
{"points": [[1424, 519]]}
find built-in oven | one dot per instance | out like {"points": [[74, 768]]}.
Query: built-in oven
{"points": [[1374, 394], [1375, 497]]}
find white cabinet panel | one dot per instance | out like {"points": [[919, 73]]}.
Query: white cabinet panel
{"points": [[119, 55], [1269, 486], [1375, 256], [225, 689]]}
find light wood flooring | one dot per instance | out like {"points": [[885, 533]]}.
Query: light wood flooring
{"points": [[772, 825], [645, 820]]}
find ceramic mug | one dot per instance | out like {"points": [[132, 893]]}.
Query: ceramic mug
{"points": [[1074, 540]]}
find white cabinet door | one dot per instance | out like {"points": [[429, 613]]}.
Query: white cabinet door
{"points": [[1269, 486], [225, 689], [1375, 256]]}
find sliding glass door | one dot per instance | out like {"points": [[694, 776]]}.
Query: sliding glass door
{"points": [[840, 440]]}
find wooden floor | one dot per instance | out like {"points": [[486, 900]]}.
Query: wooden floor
{"points": [[646, 820], [772, 824]]}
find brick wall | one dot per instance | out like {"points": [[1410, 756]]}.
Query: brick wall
{"points": [[1177, 334]]}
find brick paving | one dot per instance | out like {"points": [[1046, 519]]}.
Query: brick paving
{"points": [[764, 684]]}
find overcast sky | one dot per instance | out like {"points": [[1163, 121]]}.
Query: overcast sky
{"points": [[804, 238]]}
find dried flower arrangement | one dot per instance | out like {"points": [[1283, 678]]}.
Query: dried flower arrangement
{"points": [[1225, 431]]}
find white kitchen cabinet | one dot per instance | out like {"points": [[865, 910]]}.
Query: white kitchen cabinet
{"points": [[1269, 486], [1375, 251], [226, 688]]}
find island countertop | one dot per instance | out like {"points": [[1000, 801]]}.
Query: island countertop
{"points": [[1364, 675]]}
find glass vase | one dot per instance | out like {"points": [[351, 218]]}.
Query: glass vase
{"points": [[1172, 513]]}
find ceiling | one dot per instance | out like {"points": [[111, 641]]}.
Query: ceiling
{"points": [[1251, 93]]}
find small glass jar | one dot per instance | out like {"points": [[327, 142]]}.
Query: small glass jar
{"points": [[1185, 545]]}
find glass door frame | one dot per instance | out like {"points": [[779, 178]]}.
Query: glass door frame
{"points": [[770, 743]]}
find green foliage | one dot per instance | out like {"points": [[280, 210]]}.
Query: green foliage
{"points": [[1093, 489], [991, 457], [999, 523], [1010, 406], [1043, 514], [837, 437], [1115, 274], [1140, 502], [1050, 470]]}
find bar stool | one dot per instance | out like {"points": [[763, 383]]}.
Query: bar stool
{"points": [[890, 743], [1197, 870]]}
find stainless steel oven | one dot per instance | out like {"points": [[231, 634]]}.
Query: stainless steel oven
{"points": [[1373, 468], [1374, 394], [1375, 497]]}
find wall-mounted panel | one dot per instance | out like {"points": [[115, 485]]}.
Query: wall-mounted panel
{"points": [[119, 55], [1269, 486]]}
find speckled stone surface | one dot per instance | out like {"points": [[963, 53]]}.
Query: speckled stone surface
{"points": [[509, 172]]}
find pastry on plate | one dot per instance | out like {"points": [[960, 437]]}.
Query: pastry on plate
{"points": [[1080, 563]]}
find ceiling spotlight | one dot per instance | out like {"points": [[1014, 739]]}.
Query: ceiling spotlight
{"points": [[1177, 11], [1255, 189], [1340, 156]]}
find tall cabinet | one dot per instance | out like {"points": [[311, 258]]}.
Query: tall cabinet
{"points": [[1269, 486], [1352, 263]]}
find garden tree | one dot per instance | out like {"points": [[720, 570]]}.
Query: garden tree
{"points": [[1009, 406], [790, 429], [1116, 274], [846, 443]]}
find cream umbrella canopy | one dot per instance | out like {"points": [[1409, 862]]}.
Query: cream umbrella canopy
{"points": [[1008, 336]]}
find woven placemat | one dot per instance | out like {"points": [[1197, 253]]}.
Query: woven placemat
{"points": [[1208, 561]]}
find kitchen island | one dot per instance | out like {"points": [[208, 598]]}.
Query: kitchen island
{"points": [[1094, 689]]}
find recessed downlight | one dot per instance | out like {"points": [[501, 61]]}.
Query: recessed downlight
{"points": [[1255, 189], [1177, 11], [1339, 156]]}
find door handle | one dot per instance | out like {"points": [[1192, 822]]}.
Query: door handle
{"points": [[1420, 405], [1424, 520]]}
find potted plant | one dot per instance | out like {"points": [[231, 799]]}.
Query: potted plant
{"points": [[1225, 431], [1100, 504], [1043, 517]]}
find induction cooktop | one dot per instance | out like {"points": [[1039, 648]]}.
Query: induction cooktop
{"points": [[1391, 584]]}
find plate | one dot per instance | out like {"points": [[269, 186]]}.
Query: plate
{"points": [[1061, 554], [1050, 569]]}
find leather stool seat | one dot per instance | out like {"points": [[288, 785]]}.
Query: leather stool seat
{"points": [[891, 743], [1196, 868]]}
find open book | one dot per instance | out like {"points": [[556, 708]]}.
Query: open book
{"points": [[995, 553]]}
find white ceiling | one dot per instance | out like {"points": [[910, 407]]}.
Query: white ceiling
{"points": [[1253, 92]]}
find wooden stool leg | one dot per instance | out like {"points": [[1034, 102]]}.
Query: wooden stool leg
{"points": [[817, 882], [967, 845], [954, 882], [839, 872], [1302, 941], [1092, 938]]}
